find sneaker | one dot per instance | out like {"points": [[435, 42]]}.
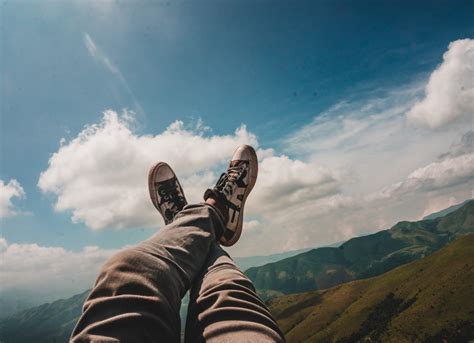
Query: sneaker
{"points": [[232, 189], [165, 190]]}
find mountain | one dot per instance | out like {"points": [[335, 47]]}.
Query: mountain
{"points": [[247, 262], [362, 257], [52, 322], [15, 300], [429, 300], [446, 211]]}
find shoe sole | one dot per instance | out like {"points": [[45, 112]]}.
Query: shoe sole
{"points": [[151, 185], [253, 162]]}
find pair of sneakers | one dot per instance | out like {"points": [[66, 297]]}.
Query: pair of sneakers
{"points": [[229, 193]]}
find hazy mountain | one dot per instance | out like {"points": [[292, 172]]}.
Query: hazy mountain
{"points": [[362, 257], [247, 262], [14, 300], [52, 322], [446, 211], [429, 300]]}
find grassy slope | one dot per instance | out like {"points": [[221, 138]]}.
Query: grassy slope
{"points": [[52, 322], [362, 257], [421, 301]]}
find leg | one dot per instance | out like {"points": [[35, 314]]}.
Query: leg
{"points": [[138, 293], [224, 306]]}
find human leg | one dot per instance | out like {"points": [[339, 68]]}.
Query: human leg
{"points": [[224, 306], [138, 292]]}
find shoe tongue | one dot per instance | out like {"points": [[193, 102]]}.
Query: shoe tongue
{"points": [[235, 163]]}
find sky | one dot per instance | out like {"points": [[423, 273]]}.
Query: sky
{"points": [[361, 113]]}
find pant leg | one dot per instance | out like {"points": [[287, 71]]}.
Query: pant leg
{"points": [[137, 295], [224, 306]]}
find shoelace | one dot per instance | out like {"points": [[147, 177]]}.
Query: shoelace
{"points": [[228, 178], [168, 191]]}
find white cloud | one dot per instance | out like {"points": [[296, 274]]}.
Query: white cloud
{"points": [[456, 167], [42, 270], [449, 94], [251, 225], [8, 192], [284, 183], [101, 175], [447, 173]]}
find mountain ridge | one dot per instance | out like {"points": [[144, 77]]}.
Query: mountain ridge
{"points": [[428, 300], [362, 257]]}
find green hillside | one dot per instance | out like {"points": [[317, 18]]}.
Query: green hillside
{"points": [[46, 323], [362, 257], [429, 300]]}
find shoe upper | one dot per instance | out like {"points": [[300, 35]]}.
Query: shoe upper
{"points": [[166, 192], [232, 189]]}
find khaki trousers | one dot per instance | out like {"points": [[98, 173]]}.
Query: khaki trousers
{"points": [[137, 295]]}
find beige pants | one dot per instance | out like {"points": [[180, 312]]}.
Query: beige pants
{"points": [[137, 295]]}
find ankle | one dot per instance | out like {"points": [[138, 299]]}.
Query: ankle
{"points": [[221, 208]]}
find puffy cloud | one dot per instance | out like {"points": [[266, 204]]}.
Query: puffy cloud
{"points": [[284, 183], [8, 192], [101, 175], [42, 269], [449, 94]]}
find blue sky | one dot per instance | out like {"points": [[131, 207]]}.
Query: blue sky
{"points": [[273, 66]]}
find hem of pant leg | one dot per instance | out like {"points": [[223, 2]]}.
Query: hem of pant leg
{"points": [[219, 215]]}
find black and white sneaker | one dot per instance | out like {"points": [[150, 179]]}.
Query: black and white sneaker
{"points": [[233, 188], [165, 190]]}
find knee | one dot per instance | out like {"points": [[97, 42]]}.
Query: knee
{"points": [[127, 256], [122, 262]]}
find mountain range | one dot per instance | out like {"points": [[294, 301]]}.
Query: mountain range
{"points": [[362, 257], [429, 300]]}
